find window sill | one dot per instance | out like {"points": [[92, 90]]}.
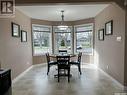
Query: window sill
{"points": [[87, 54], [34, 55]]}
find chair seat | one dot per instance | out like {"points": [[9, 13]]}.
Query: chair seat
{"points": [[74, 63], [52, 63]]}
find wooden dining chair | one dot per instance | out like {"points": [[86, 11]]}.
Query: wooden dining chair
{"points": [[78, 62], [62, 51], [63, 64], [49, 63]]}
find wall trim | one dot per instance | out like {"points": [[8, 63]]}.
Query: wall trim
{"points": [[21, 75], [41, 64], [113, 79]]}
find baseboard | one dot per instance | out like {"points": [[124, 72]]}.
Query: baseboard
{"points": [[42, 64], [114, 80], [22, 74]]}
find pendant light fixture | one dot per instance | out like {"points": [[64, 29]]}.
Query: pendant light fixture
{"points": [[62, 27]]}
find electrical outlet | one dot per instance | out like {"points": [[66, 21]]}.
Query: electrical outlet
{"points": [[119, 38]]}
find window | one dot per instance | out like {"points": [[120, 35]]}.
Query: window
{"points": [[62, 39], [84, 38], [41, 39]]}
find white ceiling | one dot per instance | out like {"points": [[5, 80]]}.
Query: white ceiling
{"points": [[53, 12]]}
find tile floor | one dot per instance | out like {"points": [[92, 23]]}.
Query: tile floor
{"points": [[91, 82]]}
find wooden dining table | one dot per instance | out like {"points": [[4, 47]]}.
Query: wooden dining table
{"points": [[60, 54]]}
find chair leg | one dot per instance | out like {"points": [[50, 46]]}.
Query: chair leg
{"points": [[58, 75], [79, 68], [69, 75], [48, 69]]}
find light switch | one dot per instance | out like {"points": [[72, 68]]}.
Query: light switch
{"points": [[119, 38]]}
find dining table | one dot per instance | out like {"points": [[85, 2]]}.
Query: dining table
{"points": [[63, 54]]}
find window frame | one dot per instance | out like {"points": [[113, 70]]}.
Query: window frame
{"points": [[71, 30], [75, 38], [50, 28]]}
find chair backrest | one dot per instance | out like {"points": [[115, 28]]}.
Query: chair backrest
{"points": [[63, 60], [79, 57], [47, 57], [62, 51]]}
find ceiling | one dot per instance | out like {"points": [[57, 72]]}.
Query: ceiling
{"points": [[53, 12]]}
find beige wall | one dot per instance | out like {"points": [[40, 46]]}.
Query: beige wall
{"points": [[111, 52], [39, 59], [83, 21], [42, 59], [55, 23], [40, 22], [15, 54], [125, 57]]}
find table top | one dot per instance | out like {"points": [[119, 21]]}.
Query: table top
{"points": [[55, 55]]}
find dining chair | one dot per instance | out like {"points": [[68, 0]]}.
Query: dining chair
{"points": [[78, 62], [63, 64], [49, 63], [62, 51]]}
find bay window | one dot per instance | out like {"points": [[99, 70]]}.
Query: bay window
{"points": [[48, 39], [41, 39], [62, 39], [84, 38]]}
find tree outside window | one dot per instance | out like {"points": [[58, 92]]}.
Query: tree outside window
{"points": [[63, 40]]}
